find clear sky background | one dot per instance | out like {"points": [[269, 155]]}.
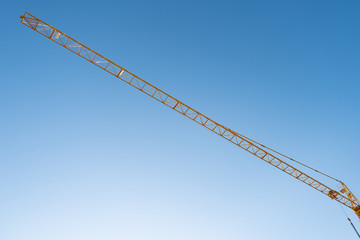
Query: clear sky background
{"points": [[86, 157]]}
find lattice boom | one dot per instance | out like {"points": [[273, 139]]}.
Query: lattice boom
{"points": [[147, 88]]}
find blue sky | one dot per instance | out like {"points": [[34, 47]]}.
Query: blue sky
{"points": [[85, 156]]}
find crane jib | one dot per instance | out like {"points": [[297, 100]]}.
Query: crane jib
{"points": [[245, 143]]}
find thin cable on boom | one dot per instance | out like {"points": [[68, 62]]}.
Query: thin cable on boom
{"points": [[291, 159]]}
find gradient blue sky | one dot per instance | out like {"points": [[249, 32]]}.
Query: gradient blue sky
{"points": [[86, 157]]}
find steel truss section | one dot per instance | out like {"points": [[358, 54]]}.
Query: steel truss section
{"points": [[180, 107]]}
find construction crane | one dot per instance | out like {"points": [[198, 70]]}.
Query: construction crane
{"points": [[272, 157]]}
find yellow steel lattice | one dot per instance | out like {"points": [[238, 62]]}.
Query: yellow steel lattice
{"points": [[344, 197]]}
